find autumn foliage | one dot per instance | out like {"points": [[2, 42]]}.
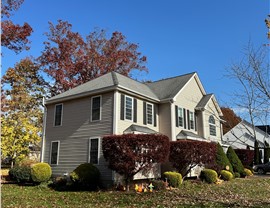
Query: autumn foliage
{"points": [[71, 60], [186, 154], [231, 119], [13, 36], [246, 156], [129, 154]]}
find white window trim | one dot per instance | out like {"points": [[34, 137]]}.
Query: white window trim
{"points": [[152, 114], [100, 115], [182, 110], [132, 108], [61, 114], [58, 151], [193, 115], [89, 148], [214, 125]]}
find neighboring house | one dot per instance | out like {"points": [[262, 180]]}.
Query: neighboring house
{"points": [[242, 136], [76, 120], [265, 128]]}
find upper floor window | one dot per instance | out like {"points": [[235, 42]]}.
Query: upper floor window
{"points": [[180, 117], [191, 120], [58, 115], [212, 125], [128, 108], [149, 113], [96, 108], [54, 152], [94, 150]]}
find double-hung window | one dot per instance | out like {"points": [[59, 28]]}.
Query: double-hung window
{"points": [[191, 120], [58, 113], [180, 117], [212, 126], [94, 150], [128, 108], [149, 113], [96, 108], [55, 145]]}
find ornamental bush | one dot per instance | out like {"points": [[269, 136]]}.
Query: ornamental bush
{"points": [[159, 185], [237, 175], [246, 156], [236, 162], [41, 172], [21, 174], [86, 175], [226, 175], [209, 176], [222, 160], [174, 179], [248, 172], [185, 155]]}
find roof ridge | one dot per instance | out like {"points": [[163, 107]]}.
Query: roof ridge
{"points": [[173, 77]]}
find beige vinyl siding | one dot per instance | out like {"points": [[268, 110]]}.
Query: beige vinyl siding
{"points": [[188, 98], [75, 132], [165, 119], [211, 110], [122, 125]]}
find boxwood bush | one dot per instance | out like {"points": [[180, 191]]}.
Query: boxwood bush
{"points": [[41, 172], [174, 179], [21, 174], [248, 172], [226, 175], [159, 185], [209, 175], [86, 175]]}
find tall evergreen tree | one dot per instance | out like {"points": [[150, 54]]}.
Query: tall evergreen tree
{"points": [[266, 152], [256, 153], [222, 160], [235, 161]]}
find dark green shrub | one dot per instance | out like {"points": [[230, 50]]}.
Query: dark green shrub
{"points": [[236, 162], [237, 175], [226, 175], [86, 176], [21, 174], [248, 172], [41, 172], [174, 179], [209, 175], [222, 160], [159, 185]]}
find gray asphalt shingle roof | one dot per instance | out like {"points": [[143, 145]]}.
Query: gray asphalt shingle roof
{"points": [[158, 90], [203, 102], [141, 129], [168, 88]]}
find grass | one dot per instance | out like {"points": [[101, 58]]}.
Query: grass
{"points": [[251, 192]]}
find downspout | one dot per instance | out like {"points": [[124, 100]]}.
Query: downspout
{"points": [[115, 121], [173, 136], [43, 131]]}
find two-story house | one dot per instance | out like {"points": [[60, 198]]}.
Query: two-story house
{"points": [[76, 120]]}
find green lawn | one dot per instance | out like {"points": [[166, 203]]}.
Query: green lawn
{"points": [[251, 192]]}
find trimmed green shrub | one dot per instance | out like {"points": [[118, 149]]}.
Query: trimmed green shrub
{"points": [[236, 162], [174, 179], [237, 175], [41, 172], [159, 185], [21, 174], [209, 175], [86, 175], [248, 172], [226, 175], [222, 160]]}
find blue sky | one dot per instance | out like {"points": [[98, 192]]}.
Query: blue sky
{"points": [[177, 36]]}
